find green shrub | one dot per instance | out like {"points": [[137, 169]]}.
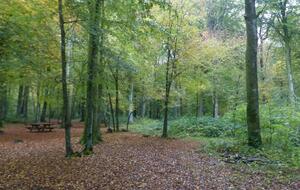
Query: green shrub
{"points": [[146, 126], [202, 126], [294, 137]]}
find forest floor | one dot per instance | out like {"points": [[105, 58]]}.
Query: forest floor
{"points": [[122, 161]]}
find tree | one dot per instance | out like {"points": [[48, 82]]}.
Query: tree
{"points": [[254, 137], [284, 32], [170, 72], [66, 107], [93, 51]]}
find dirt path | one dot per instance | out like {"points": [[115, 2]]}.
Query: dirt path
{"points": [[122, 161]]}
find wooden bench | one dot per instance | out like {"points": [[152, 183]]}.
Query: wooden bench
{"points": [[40, 127]]}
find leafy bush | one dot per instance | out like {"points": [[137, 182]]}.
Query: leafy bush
{"points": [[294, 137], [147, 126], [189, 126], [202, 126]]}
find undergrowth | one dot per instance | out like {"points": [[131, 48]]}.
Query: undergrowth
{"points": [[219, 136]]}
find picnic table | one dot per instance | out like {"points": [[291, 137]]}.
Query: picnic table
{"points": [[41, 127]]}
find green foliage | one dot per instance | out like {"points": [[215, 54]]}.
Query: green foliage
{"points": [[203, 126], [147, 126], [189, 127], [281, 152]]}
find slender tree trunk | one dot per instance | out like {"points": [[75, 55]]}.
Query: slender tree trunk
{"points": [[101, 115], [200, 105], [20, 101], [130, 109], [44, 112], [215, 105], [157, 107], [262, 66], [66, 104], [82, 111], [38, 105], [180, 107], [112, 111], [166, 100], [94, 10], [24, 106], [143, 107], [236, 101], [288, 60], [117, 99], [150, 109], [254, 136], [3, 103], [287, 50]]}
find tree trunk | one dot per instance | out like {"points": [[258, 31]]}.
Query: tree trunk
{"points": [[288, 60], [130, 99], [112, 111], [24, 106], [38, 105], [101, 107], [254, 136], [44, 112], [143, 107], [66, 104], [200, 105], [287, 50], [150, 109], [215, 105], [236, 99], [262, 66], [167, 93], [180, 107], [20, 101], [117, 98], [82, 111], [94, 10], [157, 110], [3, 103]]}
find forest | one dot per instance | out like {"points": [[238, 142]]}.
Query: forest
{"points": [[149, 94]]}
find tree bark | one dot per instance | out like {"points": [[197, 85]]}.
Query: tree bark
{"points": [[82, 111], [38, 105], [200, 105], [254, 136], [66, 104], [44, 112], [287, 50], [117, 98], [288, 59], [20, 100], [167, 93], [112, 111], [24, 106], [94, 10], [3, 103], [215, 105], [130, 99], [143, 108]]}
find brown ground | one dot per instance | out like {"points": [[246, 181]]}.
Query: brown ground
{"points": [[122, 161]]}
